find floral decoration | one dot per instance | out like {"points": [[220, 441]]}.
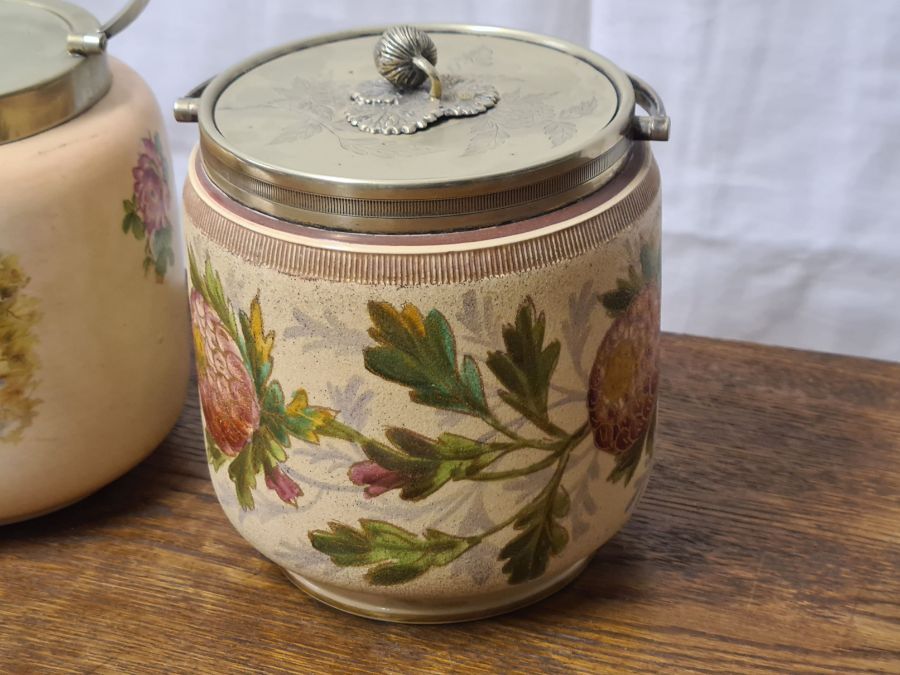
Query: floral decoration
{"points": [[249, 425], [147, 213], [248, 422], [625, 375], [18, 362]]}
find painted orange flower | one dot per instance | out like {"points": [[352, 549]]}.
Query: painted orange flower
{"points": [[227, 394], [625, 376]]}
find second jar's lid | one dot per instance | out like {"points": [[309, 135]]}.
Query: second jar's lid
{"points": [[452, 127], [54, 63]]}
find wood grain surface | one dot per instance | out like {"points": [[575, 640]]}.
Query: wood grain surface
{"points": [[768, 541]]}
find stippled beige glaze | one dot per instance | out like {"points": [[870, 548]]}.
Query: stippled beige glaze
{"points": [[318, 307]]}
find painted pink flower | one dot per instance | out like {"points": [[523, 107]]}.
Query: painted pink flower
{"points": [[625, 377], [227, 394], [286, 489], [376, 478], [151, 191]]}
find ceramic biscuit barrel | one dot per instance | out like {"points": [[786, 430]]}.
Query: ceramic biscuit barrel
{"points": [[426, 311], [94, 330]]}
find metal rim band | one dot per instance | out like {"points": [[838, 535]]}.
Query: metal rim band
{"points": [[417, 215], [365, 259]]}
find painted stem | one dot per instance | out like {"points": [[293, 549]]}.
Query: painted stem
{"points": [[549, 490], [538, 444], [339, 430], [549, 460], [561, 452], [344, 432]]}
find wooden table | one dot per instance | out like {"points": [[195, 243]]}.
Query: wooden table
{"points": [[769, 540]]}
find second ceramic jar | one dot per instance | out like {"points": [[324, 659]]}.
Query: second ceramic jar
{"points": [[94, 341], [426, 311]]}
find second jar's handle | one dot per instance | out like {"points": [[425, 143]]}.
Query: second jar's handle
{"points": [[655, 125], [95, 43]]}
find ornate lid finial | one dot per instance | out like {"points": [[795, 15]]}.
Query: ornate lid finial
{"points": [[406, 56]]}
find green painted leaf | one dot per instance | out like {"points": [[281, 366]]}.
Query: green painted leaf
{"points": [[273, 399], [277, 451], [160, 265], [303, 421], [243, 470], [297, 419], [526, 367], [616, 302], [528, 553], [420, 353], [561, 503], [650, 263], [128, 220], [214, 454], [134, 223], [215, 296], [259, 345], [162, 238], [447, 446], [395, 555], [471, 378], [162, 251], [277, 429], [628, 462], [209, 286], [395, 459], [197, 282], [429, 463]]}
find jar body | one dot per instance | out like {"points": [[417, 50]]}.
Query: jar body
{"points": [[95, 332], [429, 428]]}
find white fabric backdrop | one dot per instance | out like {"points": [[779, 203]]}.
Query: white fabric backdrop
{"points": [[782, 178]]}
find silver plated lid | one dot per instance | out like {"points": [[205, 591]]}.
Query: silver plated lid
{"points": [[54, 62], [470, 127]]}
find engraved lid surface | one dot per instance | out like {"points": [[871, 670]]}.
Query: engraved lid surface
{"points": [[54, 62], [498, 125]]}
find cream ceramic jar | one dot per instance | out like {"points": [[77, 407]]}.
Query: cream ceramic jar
{"points": [[94, 341], [426, 312]]}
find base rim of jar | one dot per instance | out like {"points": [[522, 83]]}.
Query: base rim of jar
{"points": [[381, 609]]}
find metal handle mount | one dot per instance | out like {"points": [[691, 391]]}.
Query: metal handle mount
{"points": [[95, 43], [655, 125], [187, 108]]}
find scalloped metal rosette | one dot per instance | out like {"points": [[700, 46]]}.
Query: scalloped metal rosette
{"points": [[379, 108]]}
